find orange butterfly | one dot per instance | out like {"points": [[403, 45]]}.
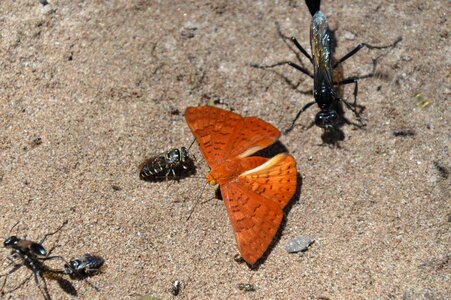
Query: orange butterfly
{"points": [[255, 189]]}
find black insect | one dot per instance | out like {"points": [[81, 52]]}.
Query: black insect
{"points": [[324, 87], [403, 132], [31, 255], [442, 170], [85, 266], [159, 167], [175, 288], [246, 287]]}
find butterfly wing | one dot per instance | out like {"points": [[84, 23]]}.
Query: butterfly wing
{"points": [[222, 134], [255, 220], [255, 200], [275, 179]]}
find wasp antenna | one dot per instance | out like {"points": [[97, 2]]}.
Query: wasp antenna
{"points": [[17, 223]]}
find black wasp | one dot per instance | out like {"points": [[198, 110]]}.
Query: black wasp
{"points": [[324, 92], [31, 255], [161, 166], [85, 266]]}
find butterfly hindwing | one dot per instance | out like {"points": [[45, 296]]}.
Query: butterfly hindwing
{"points": [[222, 134], [275, 179], [255, 201], [255, 220]]}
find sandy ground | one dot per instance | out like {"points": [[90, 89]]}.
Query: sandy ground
{"points": [[101, 84]]}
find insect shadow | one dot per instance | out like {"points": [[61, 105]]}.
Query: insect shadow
{"points": [[327, 77], [32, 255]]}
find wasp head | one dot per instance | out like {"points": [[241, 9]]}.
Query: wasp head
{"points": [[11, 241], [327, 119]]}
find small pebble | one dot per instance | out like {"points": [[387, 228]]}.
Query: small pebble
{"points": [[349, 35], [298, 244]]}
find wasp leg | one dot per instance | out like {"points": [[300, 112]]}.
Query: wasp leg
{"points": [[44, 290], [54, 257], [52, 233], [286, 62], [353, 108], [360, 46], [14, 269], [299, 68], [294, 65], [298, 45], [349, 54], [20, 285], [295, 42], [297, 116]]}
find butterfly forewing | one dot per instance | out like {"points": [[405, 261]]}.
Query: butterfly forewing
{"points": [[222, 134], [212, 128], [254, 135]]}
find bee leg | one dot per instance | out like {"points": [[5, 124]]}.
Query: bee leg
{"points": [[11, 258], [92, 285]]}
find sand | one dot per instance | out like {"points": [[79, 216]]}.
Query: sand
{"points": [[104, 85]]}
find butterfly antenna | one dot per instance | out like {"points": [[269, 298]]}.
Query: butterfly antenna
{"points": [[192, 143], [197, 202]]}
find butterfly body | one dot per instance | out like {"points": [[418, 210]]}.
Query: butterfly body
{"points": [[254, 189], [231, 169]]}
